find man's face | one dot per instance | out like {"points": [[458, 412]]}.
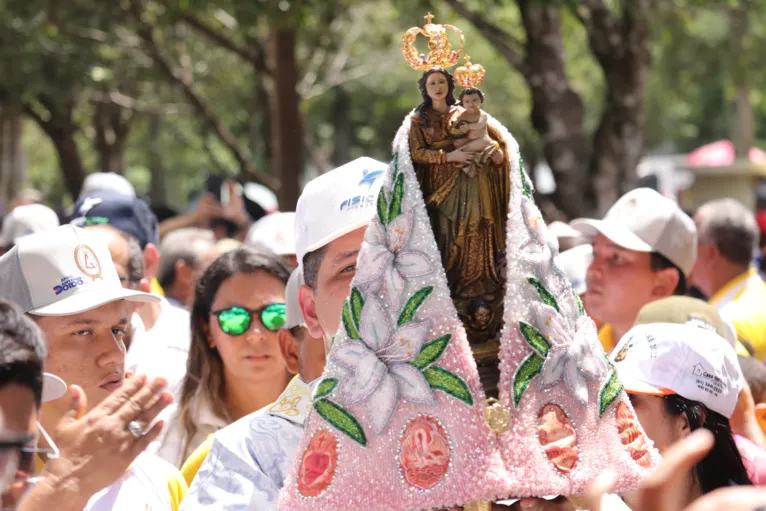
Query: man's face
{"points": [[86, 349], [337, 269], [207, 254], [619, 282], [19, 413]]}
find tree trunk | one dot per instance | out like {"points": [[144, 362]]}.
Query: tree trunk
{"points": [[158, 192], [557, 111], [343, 128], [12, 164], [287, 133], [743, 128], [112, 125]]}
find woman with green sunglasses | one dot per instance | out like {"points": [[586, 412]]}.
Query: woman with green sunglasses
{"points": [[235, 366]]}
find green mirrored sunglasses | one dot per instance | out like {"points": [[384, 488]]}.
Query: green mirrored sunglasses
{"points": [[236, 320]]}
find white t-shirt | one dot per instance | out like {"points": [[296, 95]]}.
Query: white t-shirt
{"points": [[163, 350], [150, 484]]}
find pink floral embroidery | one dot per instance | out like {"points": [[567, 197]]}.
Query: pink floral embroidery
{"points": [[558, 437], [631, 437], [318, 465], [425, 453]]}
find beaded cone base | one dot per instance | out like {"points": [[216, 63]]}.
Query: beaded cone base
{"points": [[400, 420]]}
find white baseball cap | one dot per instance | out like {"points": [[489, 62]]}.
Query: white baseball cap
{"points": [[106, 182], [336, 203], [293, 314], [25, 220], [275, 232], [575, 262], [53, 387], [644, 221], [661, 359], [62, 272]]}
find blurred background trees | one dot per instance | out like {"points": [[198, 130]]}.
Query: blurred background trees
{"points": [[278, 91]]}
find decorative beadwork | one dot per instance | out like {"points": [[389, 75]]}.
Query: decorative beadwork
{"points": [[558, 437], [609, 392], [425, 453], [341, 419], [631, 436], [318, 464]]}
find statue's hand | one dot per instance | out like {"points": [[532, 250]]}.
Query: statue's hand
{"points": [[458, 155], [460, 142], [497, 157]]}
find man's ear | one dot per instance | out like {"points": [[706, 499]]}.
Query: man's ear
{"points": [[307, 303], [665, 282], [288, 346], [151, 261]]}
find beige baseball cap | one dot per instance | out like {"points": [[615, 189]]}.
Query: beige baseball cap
{"points": [[575, 263], [26, 220], [644, 221], [61, 272], [661, 359], [275, 232], [336, 203]]}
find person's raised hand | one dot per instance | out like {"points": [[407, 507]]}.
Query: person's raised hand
{"points": [[207, 208], [235, 210], [96, 448], [678, 461], [458, 155]]}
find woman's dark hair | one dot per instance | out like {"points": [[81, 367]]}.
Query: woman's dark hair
{"points": [[472, 90], [426, 104], [723, 465], [204, 370], [22, 350]]}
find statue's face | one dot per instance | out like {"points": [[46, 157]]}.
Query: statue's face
{"points": [[471, 102], [482, 317], [437, 86]]}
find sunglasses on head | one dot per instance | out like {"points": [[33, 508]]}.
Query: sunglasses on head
{"points": [[236, 320]]}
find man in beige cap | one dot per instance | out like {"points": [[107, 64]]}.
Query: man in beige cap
{"points": [[643, 250]]}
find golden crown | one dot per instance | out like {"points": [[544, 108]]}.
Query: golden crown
{"points": [[469, 75], [440, 53]]}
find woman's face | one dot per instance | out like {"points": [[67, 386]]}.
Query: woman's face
{"points": [[663, 428], [437, 86], [255, 354]]}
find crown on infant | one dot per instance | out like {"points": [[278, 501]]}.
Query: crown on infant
{"points": [[440, 54], [469, 75]]}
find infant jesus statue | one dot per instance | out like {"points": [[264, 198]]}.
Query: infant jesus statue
{"points": [[469, 130]]}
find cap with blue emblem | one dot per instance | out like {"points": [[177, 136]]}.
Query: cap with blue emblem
{"points": [[336, 203]]}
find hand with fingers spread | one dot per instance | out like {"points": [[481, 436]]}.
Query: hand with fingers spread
{"points": [[96, 448], [657, 493]]}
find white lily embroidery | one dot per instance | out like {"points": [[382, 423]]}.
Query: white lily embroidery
{"points": [[385, 261], [379, 365], [572, 355], [541, 246]]}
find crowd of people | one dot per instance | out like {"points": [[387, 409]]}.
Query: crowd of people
{"points": [[171, 365]]}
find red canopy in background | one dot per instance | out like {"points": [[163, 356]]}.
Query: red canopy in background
{"points": [[721, 154]]}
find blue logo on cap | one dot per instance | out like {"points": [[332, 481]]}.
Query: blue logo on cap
{"points": [[369, 177], [67, 283]]}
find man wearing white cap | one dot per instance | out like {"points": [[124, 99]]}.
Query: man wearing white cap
{"points": [[643, 250], [26, 220], [682, 377], [249, 459], [64, 279]]}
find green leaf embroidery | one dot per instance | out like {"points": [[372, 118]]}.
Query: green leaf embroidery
{"points": [[431, 351], [396, 163], [325, 387], [609, 392], [382, 207], [357, 302], [545, 295], [348, 323], [535, 339], [415, 301], [448, 382], [580, 306], [341, 419], [529, 368], [397, 195]]}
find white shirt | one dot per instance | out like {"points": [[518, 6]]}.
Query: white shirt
{"points": [[250, 459], [150, 484], [163, 350], [172, 441]]}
